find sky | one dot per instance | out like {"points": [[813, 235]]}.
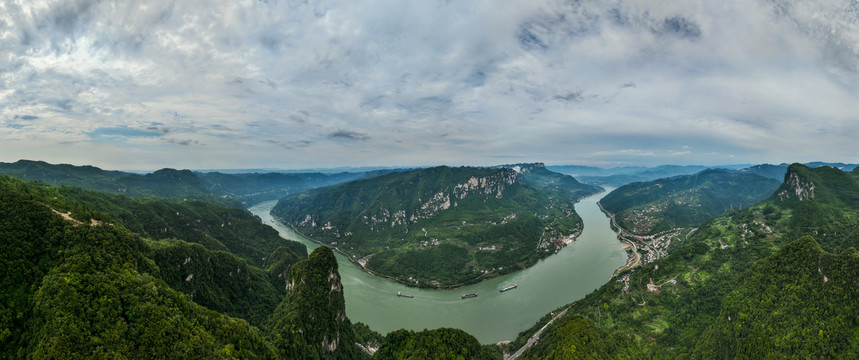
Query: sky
{"points": [[313, 84]]}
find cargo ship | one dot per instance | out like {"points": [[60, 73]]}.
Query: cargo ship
{"points": [[466, 296], [511, 287], [404, 295]]}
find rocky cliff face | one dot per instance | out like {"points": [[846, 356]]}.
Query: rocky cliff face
{"points": [[796, 186], [400, 215], [311, 321]]}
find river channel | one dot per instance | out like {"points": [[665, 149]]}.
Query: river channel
{"points": [[492, 316]]}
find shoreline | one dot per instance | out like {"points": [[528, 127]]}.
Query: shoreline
{"points": [[572, 238], [585, 267]]}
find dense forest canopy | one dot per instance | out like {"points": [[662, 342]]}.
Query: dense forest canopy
{"points": [[85, 275]]}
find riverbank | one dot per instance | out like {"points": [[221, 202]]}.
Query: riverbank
{"points": [[493, 316], [565, 240], [634, 258]]}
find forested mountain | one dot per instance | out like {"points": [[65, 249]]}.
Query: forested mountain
{"points": [[213, 226], [218, 280], [74, 288], [76, 284], [235, 190], [258, 187], [442, 226], [619, 176], [777, 279], [314, 313], [579, 338], [441, 344], [798, 303], [646, 208], [775, 172], [162, 183], [746, 284], [628, 174]]}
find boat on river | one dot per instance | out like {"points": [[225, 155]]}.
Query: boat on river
{"points": [[466, 296], [404, 295], [511, 287]]}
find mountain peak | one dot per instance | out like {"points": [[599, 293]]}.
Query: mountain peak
{"points": [[314, 312], [796, 184]]}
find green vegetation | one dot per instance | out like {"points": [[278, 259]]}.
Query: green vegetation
{"points": [[775, 280], [75, 287], [73, 290], [215, 227], [313, 313], [217, 280], [366, 336], [232, 190], [258, 187], [442, 226], [777, 301], [442, 344], [798, 303], [578, 338], [646, 208], [181, 184]]}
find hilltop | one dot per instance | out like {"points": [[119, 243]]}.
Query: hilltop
{"points": [[234, 190], [443, 226], [773, 279]]}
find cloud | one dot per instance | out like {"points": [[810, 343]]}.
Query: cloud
{"points": [[121, 133], [348, 135], [182, 142], [570, 97], [625, 152], [371, 82]]}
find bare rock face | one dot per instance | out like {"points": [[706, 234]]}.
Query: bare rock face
{"points": [[311, 321], [796, 186]]}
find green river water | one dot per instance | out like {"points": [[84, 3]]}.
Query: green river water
{"points": [[492, 316]]}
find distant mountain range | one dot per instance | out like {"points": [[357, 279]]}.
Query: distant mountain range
{"points": [[92, 275], [238, 190], [628, 174]]}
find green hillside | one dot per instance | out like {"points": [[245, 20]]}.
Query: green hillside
{"points": [[775, 280], [217, 280], [75, 285], [311, 322], [579, 338], [74, 290], [678, 306], [441, 344], [213, 226], [646, 208], [442, 226], [253, 188], [181, 184], [798, 303], [232, 190]]}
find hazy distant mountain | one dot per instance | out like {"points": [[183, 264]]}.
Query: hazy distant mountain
{"points": [[618, 176], [624, 175], [225, 189]]}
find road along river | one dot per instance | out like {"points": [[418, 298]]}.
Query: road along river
{"points": [[492, 316]]}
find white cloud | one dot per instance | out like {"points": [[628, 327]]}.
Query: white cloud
{"points": [[330, 83]]}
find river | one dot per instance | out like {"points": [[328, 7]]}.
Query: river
{"points": [[493, 316]]}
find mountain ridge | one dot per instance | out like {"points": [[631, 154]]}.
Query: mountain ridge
{"points": [[442, 226]]}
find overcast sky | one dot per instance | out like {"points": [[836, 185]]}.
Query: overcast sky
{"points": [[309, 84]]}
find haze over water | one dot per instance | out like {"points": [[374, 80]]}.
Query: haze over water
{"points": [[493, 316]]}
